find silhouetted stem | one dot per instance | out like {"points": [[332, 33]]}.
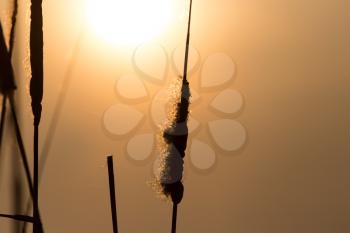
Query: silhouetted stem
{"points": [[2, 120], [187, 42], [173, 225], [112, 193], [36, 175], [22, 218]]}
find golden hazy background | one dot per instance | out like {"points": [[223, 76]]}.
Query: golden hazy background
{"points": [[293, 173]]}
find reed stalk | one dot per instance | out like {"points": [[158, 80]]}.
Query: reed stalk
{"points": [[173, 222]]}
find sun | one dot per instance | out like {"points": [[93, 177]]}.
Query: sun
{"points": [[128, 21]]}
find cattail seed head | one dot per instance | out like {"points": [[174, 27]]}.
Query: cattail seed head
{"points": [[173, 144]]}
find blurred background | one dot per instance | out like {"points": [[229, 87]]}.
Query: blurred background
{"points": [[288, 168]]}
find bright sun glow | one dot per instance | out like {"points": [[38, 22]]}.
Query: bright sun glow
{"points": [[129, 21]]}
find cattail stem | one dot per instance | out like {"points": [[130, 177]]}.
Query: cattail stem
{"points": [[187, 42], [36, 180], [112, 193], [173, 225]]}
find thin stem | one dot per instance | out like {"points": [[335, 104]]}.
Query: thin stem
{"points": [[112, 193], [59, 106], [2, 120], [17, 217], [187, 43], [35, 180], [21, 145], [13, 26], [173, 225]]}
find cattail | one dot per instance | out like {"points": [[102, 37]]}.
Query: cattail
{"points": [[36, 93], [174, 140]]}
